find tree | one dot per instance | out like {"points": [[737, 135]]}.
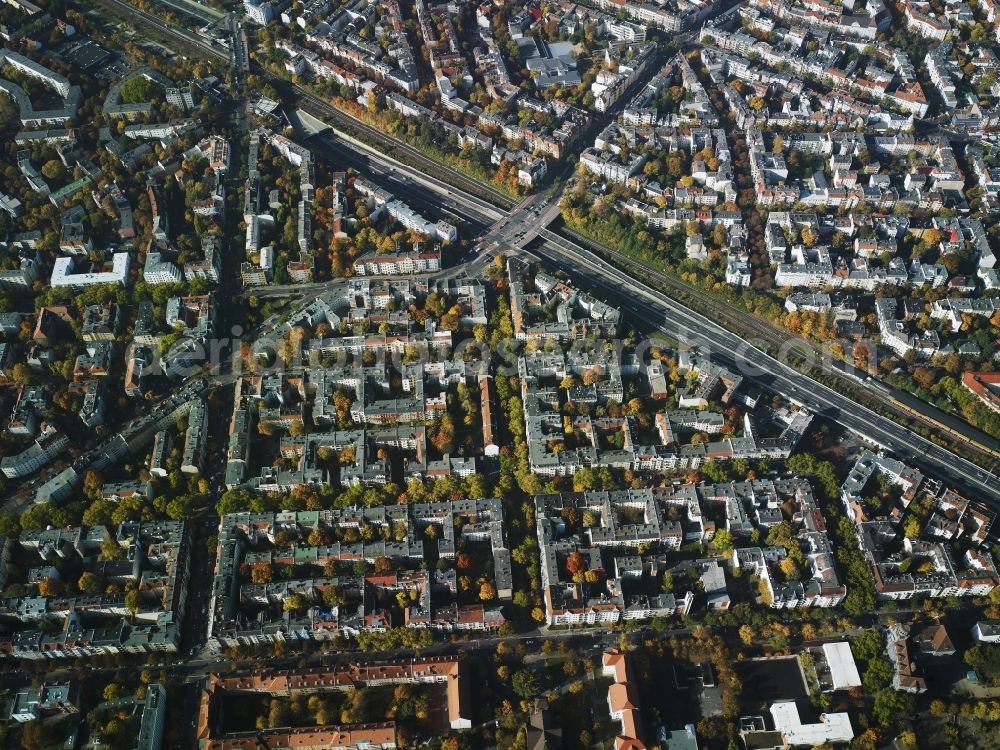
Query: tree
{"points": [[747, 634], [50, 587], [261, 573], [89, 583], [39, 734], [54, 170], [891, 706], [279, 714], [866, 645], [985, 659], [780, 535], [296, 603], [791, 568], [575, 563], [138, 90], [318, 537], [878, 675], [524, 683], [112, 691], [21, 374], [93, 482], [722, 542], [487, 592], [925, 376], [182, 506], [111, 550], [10, 526]]}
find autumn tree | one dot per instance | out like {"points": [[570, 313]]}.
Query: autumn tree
{"points": [[50, 587], [487, 592], [575, 563], [89, 583], [261, 573], [296, 603]]}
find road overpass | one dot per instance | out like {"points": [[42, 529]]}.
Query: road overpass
{"points": [[524, 224]]}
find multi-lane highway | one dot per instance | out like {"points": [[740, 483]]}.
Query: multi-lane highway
{"points": [[900, 403], [526, 227], [727, 348], [210, 48], [527, 221]]}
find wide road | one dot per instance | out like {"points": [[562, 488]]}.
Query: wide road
{"points": [[528, 221], [821, 398], [724, 347], [166, 29]]}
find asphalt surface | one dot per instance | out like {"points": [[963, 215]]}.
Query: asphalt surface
{"points": [[731, 350], [525, 227]]}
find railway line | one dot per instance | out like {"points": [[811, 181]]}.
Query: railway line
{"points": [[478, 194], [781, 341], [656, 307], [212, 49], [431, 166], [347, 121]]}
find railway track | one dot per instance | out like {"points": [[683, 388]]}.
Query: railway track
{"points": [[183, 36], [414, 156], [721, 312]]}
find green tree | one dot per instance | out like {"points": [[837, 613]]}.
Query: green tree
{"points": [[524, 683], [138, 90], [54, 170], [878, 675], [296, 603], [111, 550], [892, 707], [89, 583], [985, 659], [722, 542]]}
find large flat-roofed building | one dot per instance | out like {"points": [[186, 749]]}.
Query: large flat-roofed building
{"points": [[830, 727], [69, 272], [196, 439], [154, 712], [435, 670], [843, 671]]}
